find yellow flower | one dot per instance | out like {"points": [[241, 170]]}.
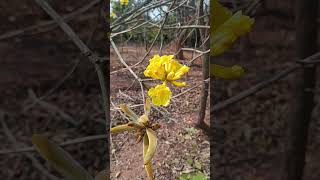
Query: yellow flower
{"points": [[226, 28], [165, 68], [124, 2], [160, 95]]}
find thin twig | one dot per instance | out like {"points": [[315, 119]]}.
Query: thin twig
{"points": [[131, 106], [158, 34], [55, 87], [309, 60], [122, 60], [52, 108], [99, 63], [205, 70], [190, 89], [136, 13], [67, 17], [129, 68]]}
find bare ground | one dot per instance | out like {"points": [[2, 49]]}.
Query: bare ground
{"points": [[179, 140]]}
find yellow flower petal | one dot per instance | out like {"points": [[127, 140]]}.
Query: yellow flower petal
{"points": [[183, 70], [219, 13], [160, 95], [124, 2], [170, 76], [226, 28], [179, 73], [156, 69], [221, 42], [167, 58], [147, 73], [179, 84], [166, 69]]}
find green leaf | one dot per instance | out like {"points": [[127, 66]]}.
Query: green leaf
{"points": [[60, 159]]}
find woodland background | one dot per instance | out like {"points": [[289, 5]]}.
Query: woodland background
{"points": [[251, 137]]}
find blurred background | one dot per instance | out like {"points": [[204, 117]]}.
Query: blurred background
{"points": [[48, 87], [251, 137]]}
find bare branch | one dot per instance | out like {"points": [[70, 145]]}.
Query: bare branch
{"points": [[254, 89], [67, 17], [99, 63]]}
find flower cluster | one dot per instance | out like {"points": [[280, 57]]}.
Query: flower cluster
{"points": [[124, 2], [167, 70], [226, 28]]}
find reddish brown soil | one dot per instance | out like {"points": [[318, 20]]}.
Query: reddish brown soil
{"points": [[175, 145]]}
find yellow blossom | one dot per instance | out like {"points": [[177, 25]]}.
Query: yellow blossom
{"points": [[160, 95], [124, 2], [226, 27], [165, 68]]}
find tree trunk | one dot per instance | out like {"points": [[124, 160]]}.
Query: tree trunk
{"points": [[306, 39], [205, 71]]}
